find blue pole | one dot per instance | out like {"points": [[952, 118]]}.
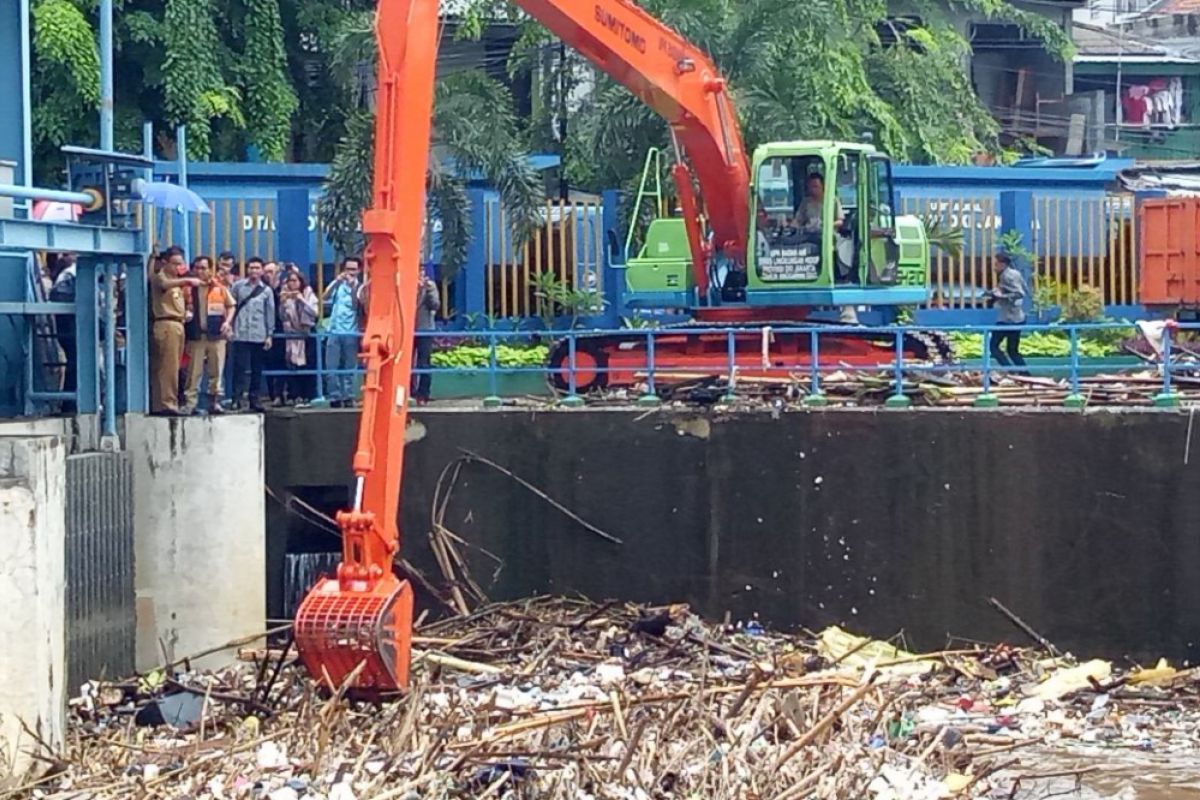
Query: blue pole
{"points": [[1075, 399], [899, 399], [26, 98], [731, 359], [87, 373], [815, 398], [181, 157], [1168, 398], [986, 399], [110, 350], [320, 398], [572, 400], [106, 75], [650, 398]]}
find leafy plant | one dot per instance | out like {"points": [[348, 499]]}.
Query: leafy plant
{"points": [[1085, 304], [1040, 344], [479, 356], [942, 235], [558, 298], [1046, 295]]}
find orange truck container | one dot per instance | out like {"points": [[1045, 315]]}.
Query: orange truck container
{"points": [[1169, 251]]}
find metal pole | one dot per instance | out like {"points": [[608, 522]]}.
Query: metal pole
{"points": [[650, 398], [815, 397], [110, 356], [899, 399], [1075, 399], [38, 193], [26, 97], [106, 75], [986, 399], [181, 157]]}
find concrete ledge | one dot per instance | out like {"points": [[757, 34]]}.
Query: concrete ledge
{"points": [[199, 533], [32, 575]]}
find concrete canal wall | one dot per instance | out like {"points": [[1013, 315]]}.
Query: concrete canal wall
{"points": [[1084, 524]]}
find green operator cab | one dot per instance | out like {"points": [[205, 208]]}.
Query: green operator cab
{"points": [[823, 232]]}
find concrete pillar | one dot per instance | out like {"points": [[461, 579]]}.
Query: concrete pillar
{"points": [[199, 533], [33, 693], [470, 285]]}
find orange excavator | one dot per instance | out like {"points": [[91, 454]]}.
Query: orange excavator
{"points": [[354, 630]]}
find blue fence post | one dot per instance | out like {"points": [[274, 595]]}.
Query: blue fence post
{"points": [[816, 397], [470, 285], [1167, 397], [613, 278], [137, 338], [731, 355], [320, 400], [1016, 214], [493, 399], [650, 398], [987, 399], [1075, 399], [572, 400], [292, 240], [899, 399], [87, 367]]}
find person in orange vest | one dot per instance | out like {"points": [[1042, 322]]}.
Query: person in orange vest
{"points": [[208, 326]]}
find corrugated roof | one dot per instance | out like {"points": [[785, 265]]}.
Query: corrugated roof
{"points": [[1091, 40]]}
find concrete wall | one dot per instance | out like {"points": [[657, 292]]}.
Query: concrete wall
{"points": [[1084, 524], [32, 574], [199, 532]]}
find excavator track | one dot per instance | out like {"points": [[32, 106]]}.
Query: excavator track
{"points": [[688, 352]]}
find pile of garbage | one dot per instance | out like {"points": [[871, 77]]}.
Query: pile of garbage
{"points": [[555, 698]]}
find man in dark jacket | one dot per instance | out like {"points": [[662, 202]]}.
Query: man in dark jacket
{"points": [[428, 302], [1009, 299]]}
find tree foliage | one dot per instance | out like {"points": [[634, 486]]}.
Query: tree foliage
{"points": [[822, 69], [270, 99], [475, 135], [239, 74]]}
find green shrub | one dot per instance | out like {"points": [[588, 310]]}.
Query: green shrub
{"points": [[476, 356]]}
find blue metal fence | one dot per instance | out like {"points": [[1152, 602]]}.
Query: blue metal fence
{"points": [[812, 370]]}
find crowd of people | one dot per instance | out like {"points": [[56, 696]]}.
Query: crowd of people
{"points": [[238, 339]]}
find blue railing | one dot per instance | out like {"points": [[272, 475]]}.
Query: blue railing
{"points": [[814, 367]]}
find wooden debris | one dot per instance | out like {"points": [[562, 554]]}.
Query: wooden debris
{"points": [[559, 698]]}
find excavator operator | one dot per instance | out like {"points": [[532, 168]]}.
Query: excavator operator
{"points": [[810, 216]]}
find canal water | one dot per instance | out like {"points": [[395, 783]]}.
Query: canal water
{"points": [[1116, 775]]}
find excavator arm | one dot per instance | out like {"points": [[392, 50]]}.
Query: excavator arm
{"points": [[681, 84], [355, 630]]}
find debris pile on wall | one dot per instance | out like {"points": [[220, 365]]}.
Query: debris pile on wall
{"points": [[553, 698]]}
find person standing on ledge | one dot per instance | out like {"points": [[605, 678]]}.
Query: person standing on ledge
{"points": [[1009, 299], [168, 307]]}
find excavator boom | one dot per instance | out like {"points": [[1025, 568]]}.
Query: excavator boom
{"points": [[356, 629], [681, 84]]}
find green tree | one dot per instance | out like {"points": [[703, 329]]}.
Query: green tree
{"points": [[829, 69], [225, 68], [475, 134], [270, 100]]}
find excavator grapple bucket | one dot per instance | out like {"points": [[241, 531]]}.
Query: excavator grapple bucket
{"points": [[337, 630]]}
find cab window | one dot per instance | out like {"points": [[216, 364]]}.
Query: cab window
{"points": [[880, 197]]}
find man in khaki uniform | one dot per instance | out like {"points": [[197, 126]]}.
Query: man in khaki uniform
{"points": [[209, 320], [167, 310]]}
